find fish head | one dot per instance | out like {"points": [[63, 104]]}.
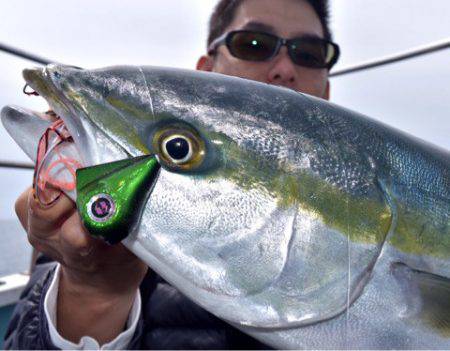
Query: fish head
{"points": [[253, 221]]}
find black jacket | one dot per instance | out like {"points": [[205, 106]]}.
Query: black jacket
{"points": [[168, 320]]}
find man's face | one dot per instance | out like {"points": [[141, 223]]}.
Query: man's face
{"points": [[286, 19]]}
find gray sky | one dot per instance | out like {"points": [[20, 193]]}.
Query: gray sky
{"points": [[413, 96]]}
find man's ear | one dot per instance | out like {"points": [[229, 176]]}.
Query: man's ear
{"points": [[326, 94], [205, 63]]}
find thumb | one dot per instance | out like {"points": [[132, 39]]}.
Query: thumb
{"points": [[75, 239], [43, 219]]}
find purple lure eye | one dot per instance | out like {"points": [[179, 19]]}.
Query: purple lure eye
{"points": [[101, 207]]}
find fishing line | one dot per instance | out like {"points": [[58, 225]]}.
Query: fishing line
{"points": [[347, 312]]}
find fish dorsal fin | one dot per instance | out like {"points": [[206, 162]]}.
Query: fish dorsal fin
{"points": [[25, 127], [434, 291]]}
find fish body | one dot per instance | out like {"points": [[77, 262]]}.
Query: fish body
{"points": [[302, 223]]}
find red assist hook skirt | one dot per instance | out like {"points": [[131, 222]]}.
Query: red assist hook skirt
{"points": [[56, 164]]}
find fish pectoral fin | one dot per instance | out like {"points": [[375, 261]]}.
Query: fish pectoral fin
{"points": [[435, 292], [434, 297]]}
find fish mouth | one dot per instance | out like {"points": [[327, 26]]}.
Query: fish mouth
{"points": [[45, 138], [40, 83], [39, 80], [50, 83], [58, 153], [122, 187], [36, 79]]}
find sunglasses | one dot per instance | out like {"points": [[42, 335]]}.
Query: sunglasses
{"points": [[307, 51]]}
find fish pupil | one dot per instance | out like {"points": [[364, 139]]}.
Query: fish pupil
{"points": [[177, 148]]}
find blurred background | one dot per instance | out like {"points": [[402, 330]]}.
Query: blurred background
{"points": [[413, 95]]}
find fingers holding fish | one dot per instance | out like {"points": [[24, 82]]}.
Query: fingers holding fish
{"points": [[42, 223], [42, 219], [21, 206], [85, 254], [75, 241], [58, 232]]}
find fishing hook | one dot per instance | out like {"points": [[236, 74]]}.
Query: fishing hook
{"points": [[29, 92]]}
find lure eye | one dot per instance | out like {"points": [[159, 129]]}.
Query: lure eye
{"points": [[179, 148], [101, 207]]}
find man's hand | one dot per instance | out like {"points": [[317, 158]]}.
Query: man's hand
{"points": [[98, 281]]}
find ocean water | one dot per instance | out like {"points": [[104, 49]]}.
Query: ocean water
{"points": [[15, 250]]}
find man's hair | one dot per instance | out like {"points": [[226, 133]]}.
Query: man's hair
{"points": [[225, 11]]}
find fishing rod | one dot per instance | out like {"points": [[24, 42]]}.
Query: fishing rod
{"points": [[24, 54], [17, 165], [419, 51]]}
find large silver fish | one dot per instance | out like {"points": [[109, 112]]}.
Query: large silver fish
{"points": [[302, 223]]}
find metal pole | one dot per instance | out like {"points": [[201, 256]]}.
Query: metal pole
{"points": [[423, 50], [20, 165], [26, 55]]}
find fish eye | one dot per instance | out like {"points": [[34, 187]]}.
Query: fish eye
{"points": [[179, 148]]}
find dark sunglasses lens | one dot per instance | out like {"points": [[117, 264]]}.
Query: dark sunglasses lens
{"points": [[312, 52], [252, 46]]}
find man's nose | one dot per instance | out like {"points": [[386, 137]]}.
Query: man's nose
{"points": [[283, 70]]}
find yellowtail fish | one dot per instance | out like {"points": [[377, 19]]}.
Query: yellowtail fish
{"points": [[302, 223]]}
